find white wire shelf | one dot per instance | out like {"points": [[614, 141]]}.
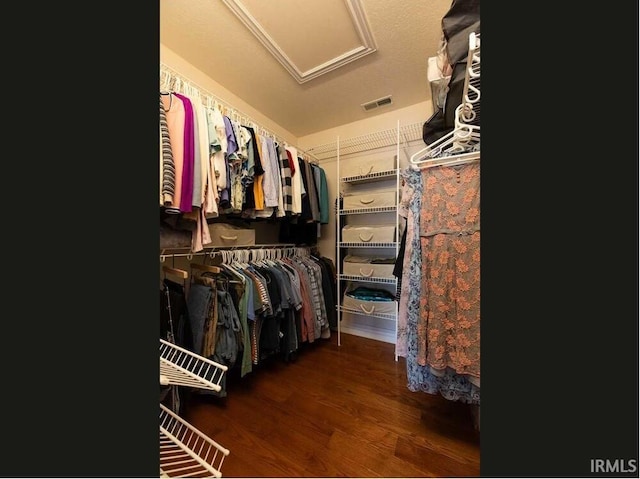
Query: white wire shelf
{"points": [[370, 141], [380, 175], [367, 245], [180, 367], [379, 209], [368, 279], [185, 451], [389, 316]]}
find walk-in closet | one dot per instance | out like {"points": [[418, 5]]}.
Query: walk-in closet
{"points": [[319, 238]]}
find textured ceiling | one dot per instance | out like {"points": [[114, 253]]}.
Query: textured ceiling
{"points": [[290, 59]]}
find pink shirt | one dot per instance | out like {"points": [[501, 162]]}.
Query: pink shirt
{"points": [[175, 123]]}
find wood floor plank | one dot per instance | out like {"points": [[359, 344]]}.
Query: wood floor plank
{"points": [[384, 464], [440, 464], [264, 457], [337, 411]]}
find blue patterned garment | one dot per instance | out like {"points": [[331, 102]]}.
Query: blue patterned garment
{"points": [[452, 386], [370, 294]]}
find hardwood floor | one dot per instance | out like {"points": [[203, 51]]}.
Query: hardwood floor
{"points": [[337, 412]]}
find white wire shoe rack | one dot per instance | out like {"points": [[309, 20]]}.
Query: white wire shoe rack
{"points": [[186, 451]]}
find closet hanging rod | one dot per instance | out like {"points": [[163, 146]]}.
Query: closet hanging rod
{"points": [[212, 249], [173, 74], [255, 246]]}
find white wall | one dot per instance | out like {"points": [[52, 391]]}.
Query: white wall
{"points": [[419, 112]]}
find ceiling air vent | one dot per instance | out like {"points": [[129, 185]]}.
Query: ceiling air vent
{"points": [[377, 103]]}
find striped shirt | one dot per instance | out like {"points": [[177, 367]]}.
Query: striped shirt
{"points": [[168, 167], [285, 173]]}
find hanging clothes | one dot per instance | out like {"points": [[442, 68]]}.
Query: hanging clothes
{"points": [[285, 173], [201, 303], [230, 145], [212, 165], [197, 187], [253, 193], [270, 333], [228, 336], [210, 196], [258, 190], [323, 193], [174, 315], [175, 328], [175, 115], [262, 308], [249, 169], [202, 144], [271, 180], [450, 239], [420, 377], [216, 128], [289, 337], [312, 192], [296, 180], [241, 290], [306, 214], [186, 192], [167, 166], [329, 287], [285, 304]]}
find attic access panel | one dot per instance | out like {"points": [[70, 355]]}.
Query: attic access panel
{"points": [[285, 33]]}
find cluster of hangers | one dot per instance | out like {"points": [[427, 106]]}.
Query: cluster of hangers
{"points": [[214, 251], [171, 81], [246, 256], [231, 257], [462, 144]]}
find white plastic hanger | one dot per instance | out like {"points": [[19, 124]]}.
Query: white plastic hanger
{"points": [[456, 147], [462, 145]]}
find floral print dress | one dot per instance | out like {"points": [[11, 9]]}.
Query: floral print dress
{"points": [[411, 340], [449, 322]]}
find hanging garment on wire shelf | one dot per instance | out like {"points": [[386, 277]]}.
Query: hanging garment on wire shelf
{"points": [[410, 342]]}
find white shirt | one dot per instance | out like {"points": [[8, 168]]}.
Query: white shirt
{"points": [[296, 182]]}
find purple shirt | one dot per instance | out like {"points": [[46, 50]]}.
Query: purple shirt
{"points": [[186, 194], [232, 145]]}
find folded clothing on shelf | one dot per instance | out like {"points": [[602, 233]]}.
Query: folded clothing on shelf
{"points": [[370, 294], [352, 258]]}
